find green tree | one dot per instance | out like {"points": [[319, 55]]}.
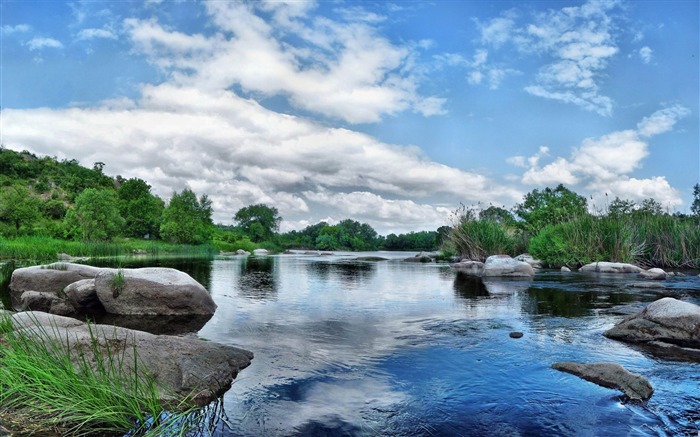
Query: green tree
{"points": [[186, 219], [550, 206], [497, 215], [650, 206], [695, 207], [18, 207], [620, 207], [98, 215], [259, 221], [142, 211]]}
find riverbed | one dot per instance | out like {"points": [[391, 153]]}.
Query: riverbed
{"points": [[348, 348]]}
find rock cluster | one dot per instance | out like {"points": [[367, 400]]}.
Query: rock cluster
{"points": [[68, 289], [496, 266], [186, 368]]}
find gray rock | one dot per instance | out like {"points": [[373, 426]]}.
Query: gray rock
{"points": [[82, 294], [565, 269], [468, 267], [62, 307], [418, 259], [503, 265], [243, 252], [610, 267], [153, 291], [186, 368], [653, 274], [51, 278], [260, 252], [526, 257], [610, 375], [649, 285], [666, 320], [37, 300]]}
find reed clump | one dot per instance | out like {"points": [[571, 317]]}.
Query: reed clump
{"points": [[46, 388]]}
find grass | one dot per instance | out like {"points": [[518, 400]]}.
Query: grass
{"points": [[116, 283], [46, 388], [47, 248], [478, 239]]}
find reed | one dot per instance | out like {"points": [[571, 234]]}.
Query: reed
{"points": [[478, 239], [87, 394]]}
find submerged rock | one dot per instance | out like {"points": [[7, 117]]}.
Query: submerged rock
{"points": [[610, 267], [610, 375], [185, 368], [668, 323], [371, 258], [503, 265]]}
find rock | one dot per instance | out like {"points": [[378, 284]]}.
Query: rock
{"points": [[565, 269], [243, 252], [610, 267], [82, 294], [181, 365], [61, 307], [666, 320], [526, 257], [260, 252], [653, 274], [51, 278], [153, 291], [139, 252], [418, 259], [650, 284], [610, 375], [326, 254], [503, 265], [371, 258], [37, 301], [66, 257], [311, 252], [516, 334], [468, 267]]}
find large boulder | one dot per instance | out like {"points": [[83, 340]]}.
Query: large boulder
{"points": [[666, 321], [185, 368], [610, 267], [152, 291], [51, 278], [610, 375], [469, 267], [503, 265]]}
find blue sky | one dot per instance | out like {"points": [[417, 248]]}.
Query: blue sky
{"points": [[388, 113]]}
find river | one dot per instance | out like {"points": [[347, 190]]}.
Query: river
{"points": [[349, 348]]}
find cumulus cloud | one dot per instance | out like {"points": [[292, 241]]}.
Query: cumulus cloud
{"points": [[645, 53], [605, 164], [240, 153], [576, 44], [42, 43], [338, 69]]}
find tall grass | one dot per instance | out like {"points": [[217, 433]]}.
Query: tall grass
{"points": [[477, 239], [84, 393], [47, 248], [647, 240]]}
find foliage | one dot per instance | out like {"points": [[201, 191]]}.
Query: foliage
{"points": [[186, 219], [423, 240], [97, 215], [477, 239], [497, 215], [620, 207], [550, 206], [141, 210], [259, 222], [695, 207], [18, 207]]}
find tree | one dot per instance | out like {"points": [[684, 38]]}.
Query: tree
{"points": [[695, 207], [620, 207], [97, 214], [186, 219], [18, 207], [142, 211], [650, 206], [547, 207], [259, 221], [497, 215]]}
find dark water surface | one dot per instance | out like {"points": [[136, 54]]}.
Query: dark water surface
{"points": [[344, 347]]}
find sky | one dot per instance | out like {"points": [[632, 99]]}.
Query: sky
{"points": [[389, 113]]}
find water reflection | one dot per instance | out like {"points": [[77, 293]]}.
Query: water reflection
{"points": [[258, 278], [349, 274], [469, 287]]}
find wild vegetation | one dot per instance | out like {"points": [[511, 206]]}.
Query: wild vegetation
{"points": [[555, 226]]}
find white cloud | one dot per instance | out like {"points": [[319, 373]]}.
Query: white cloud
{"points": [[576, 44], [605, 164], [240, 153], [17, 28], [342, 70], [92, 33], [41, 43], [645, 53]]}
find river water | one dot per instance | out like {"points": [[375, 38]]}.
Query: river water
{"points": [[352, 348]]}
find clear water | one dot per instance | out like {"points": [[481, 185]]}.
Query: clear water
{"points": [[344, 347]]}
